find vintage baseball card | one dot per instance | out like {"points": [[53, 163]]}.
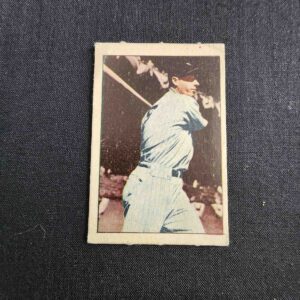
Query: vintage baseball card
{"points": [[158, 153]]}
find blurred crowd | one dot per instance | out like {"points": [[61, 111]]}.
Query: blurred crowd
{"points": [[203, 196]]}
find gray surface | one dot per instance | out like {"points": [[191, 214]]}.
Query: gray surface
{"points": [[46, 63]]}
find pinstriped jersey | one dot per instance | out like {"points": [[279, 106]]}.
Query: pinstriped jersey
{"points": [[166, 131]]}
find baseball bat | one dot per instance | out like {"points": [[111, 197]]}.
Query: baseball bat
{"points": [[117, 78]]}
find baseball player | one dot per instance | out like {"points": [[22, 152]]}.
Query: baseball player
{"points": [[153, 198]]}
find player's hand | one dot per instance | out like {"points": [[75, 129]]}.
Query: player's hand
{"points": [[208, 102]]}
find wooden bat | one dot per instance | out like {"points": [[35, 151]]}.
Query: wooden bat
{"points": [[117, 78]]}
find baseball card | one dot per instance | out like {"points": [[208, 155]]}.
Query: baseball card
{"points": [[158, 150]]}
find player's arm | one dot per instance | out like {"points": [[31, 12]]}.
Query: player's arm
{"points": [[193, 117]]}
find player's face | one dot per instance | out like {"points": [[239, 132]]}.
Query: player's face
{"points": [[186, 85]]}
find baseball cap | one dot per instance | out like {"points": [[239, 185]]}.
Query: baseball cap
{"points": [[182, 69]]}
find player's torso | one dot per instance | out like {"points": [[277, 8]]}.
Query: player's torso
{"points": [[166, 138]]}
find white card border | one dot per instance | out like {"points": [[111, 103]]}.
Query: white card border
{"points": [[161, 49]]}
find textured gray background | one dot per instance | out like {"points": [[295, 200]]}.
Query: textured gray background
{"points": [[46, 71]]}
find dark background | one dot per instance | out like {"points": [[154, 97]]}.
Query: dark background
{"points": [[122, 113], [46, 73]]}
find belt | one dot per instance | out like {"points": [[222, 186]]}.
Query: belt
{"points": [[175, 173]]}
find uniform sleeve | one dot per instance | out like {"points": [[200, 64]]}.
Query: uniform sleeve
{"points": [[193, 117]]}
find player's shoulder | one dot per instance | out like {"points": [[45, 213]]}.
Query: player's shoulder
{"points": [[163, 99], [189, 103], [180, 98], [173, 100]]}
